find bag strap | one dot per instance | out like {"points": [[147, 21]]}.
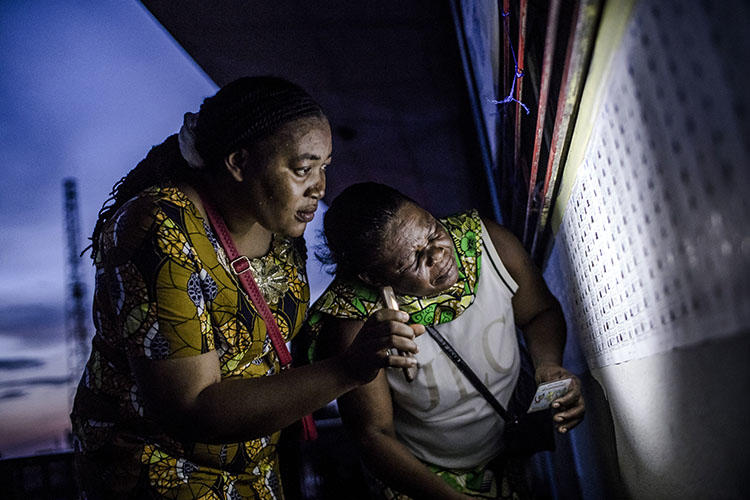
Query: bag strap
{"points": [[240, 266], [470, 375]]}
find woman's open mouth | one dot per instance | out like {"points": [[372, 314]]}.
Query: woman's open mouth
{"points": [[305, 215]]}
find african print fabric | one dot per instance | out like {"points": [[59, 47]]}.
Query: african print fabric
{"points": [[356, 300], [162, 292], [500, 479]]}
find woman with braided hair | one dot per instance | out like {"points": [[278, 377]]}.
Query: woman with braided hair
{"points": [[183, 395]]}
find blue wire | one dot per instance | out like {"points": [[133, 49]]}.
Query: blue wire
{"points": [[517, 74]]}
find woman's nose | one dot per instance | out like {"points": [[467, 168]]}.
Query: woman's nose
{"points": [[318, 188]]}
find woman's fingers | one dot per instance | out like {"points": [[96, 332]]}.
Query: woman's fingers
{"points": [[383, 315], [565, 427], [378, 343], [567, 415], [398, 320], [569, 409], [387, 328], [397, 361], [400, 329], [393, 345], [402, 343], [567, 421], [572, 397]]}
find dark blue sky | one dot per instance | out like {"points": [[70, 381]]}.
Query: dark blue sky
{"points": [[86, 89]]}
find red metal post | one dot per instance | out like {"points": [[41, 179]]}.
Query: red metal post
{"points": [[556, 143], [549, 51], [522, 13], [506, 46], [578, 52]]}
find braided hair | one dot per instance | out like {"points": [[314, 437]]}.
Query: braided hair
{"points": [[240, 114], [355, 222]]}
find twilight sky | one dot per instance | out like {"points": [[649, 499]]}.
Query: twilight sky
{"points": [[86, 89]]}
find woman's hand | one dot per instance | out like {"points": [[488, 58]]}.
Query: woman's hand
{"points": [[375, 346], [568, 410]]}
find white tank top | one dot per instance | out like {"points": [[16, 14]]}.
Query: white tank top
{"points": [[440, 417]]}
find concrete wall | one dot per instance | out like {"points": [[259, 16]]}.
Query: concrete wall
{"points": [[652, 256], [680, 420]]}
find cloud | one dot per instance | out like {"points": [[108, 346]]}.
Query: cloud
{"points": [[28, 315], [20, 363], [106, 83], [33, 324], [53, 381], [12, 394]]}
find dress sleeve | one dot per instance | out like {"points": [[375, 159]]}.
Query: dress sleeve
{"points": [[158, 288]]}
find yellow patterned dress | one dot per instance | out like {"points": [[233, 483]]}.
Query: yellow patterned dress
{"points": [[163, 291]]}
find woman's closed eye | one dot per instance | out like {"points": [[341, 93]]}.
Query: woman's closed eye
{"points": [[420, 254], [412, 265], [418, 259]]}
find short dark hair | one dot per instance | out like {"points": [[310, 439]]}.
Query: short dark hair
{"points": [[354, 224]]}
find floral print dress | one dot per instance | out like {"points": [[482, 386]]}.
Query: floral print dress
{"points": [[164, 291]]}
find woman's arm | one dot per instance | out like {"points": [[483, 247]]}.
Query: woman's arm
{"points": [[177, 372], [367, 412], [190, 399], [539, 315]]}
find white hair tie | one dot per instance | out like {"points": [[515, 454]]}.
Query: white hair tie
{"points": [[186, 139]]}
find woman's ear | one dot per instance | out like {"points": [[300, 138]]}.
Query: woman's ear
{"points": [[235, 164]]}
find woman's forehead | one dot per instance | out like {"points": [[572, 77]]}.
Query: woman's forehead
{"points": [[304, 138], [407, 230], [410, 219]]}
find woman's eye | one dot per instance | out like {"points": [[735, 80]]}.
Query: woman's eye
{"points": [[417, 258], [302, 171]]}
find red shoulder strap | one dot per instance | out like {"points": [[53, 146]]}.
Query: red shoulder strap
{"points": [[240, 265]]}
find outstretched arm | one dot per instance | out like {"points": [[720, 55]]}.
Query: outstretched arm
{"points": [[191, 399], [539, 315], [178, 373]]}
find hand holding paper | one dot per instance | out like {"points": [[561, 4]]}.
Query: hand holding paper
{"points": [[568, 407]]}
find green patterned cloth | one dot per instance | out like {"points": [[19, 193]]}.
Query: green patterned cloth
{"points": [[354, 299], [500, 479]]}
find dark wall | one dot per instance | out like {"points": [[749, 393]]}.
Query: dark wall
{"points": [[387, 73]]}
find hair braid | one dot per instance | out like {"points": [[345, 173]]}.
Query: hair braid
{"points": [[162, 166]]}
